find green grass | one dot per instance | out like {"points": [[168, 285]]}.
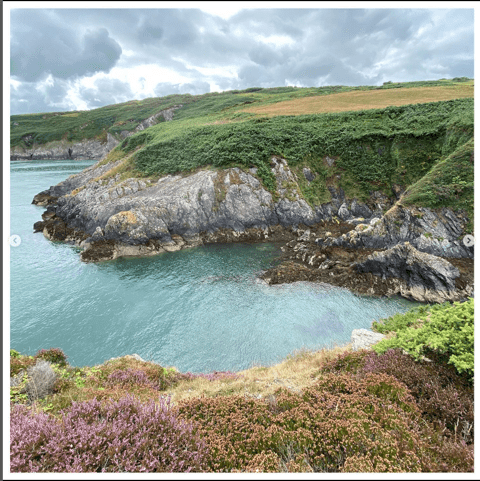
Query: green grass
{"points": [[450, 183], [375, 147], [79, 125], [417, 146]]}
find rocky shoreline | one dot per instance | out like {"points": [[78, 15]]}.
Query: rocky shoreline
{"points": [[88, 149], [379, 247]]}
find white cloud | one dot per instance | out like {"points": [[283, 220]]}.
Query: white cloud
{"points": [[224, 10], [276, 40]]}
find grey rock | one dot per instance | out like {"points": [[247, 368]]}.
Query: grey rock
{"points": [[360, 210], [330, 161], [343, 212], [363, 338], [308, 174], [416, 268], [434, 233]]}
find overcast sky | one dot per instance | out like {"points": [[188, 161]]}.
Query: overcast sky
{"points": [[83, 58]]}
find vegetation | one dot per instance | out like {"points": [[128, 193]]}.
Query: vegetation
{"points": [[447, 330], [418, 135], [384, 410]]}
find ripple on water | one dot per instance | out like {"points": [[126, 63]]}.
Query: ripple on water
{"points": [[199, 309]]}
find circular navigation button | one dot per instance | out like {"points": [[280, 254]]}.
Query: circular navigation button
{"points": [[469, 240], [15, 240]]}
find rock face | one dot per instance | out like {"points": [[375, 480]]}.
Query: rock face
{"points": [[439, 233], [417, 268], [363, 338], [333, 242], [87, 149], [427, 277]]}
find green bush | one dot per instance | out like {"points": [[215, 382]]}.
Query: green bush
{"points": [[448, 330]]}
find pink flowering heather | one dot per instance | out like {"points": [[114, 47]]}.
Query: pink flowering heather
{"points": [[122, 436], [130, 377]]}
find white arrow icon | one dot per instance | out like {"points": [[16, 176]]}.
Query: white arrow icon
{"points": [[15, 240], [469, 240]]}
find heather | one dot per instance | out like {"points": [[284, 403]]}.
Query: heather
{"points": [[123, 436], [335, 411]]}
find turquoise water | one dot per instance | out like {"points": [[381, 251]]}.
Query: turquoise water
{"points": [[199, 309]]}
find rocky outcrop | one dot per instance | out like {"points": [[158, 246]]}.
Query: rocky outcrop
{"points": [[335, 242], [59, 150], [402, 270], [437, 233], [364, 339], [87, 149], [427, 278]]}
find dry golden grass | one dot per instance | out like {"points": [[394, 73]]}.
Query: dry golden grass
{"points": [[364, 100], [295, 373]]}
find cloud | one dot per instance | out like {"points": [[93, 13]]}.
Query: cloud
{"points": [[105, 91], [165, 88], [189, 48], [41, 45], [48, 96]]}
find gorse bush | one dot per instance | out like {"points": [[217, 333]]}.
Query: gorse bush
{"points": [[448, 330], [123, 436]]}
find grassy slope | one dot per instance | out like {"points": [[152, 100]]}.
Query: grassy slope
{"points": [[374, 148]]}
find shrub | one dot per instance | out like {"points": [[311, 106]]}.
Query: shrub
{"points": [[123, 436], [53, 355], [448, 330], [337, 420], [41, 380], [444, 397], [128, 378]]}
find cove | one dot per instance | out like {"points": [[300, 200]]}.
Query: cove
{"points": [[199, 309]]}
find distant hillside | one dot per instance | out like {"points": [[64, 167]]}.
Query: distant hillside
{"points": [[353, 145], [76, 126]]}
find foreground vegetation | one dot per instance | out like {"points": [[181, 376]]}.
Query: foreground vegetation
{"points": [[406, 409]]}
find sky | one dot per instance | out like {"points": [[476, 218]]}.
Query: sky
{"points": [[85, 57]]}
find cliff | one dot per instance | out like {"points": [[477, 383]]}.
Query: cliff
{"points": [[341, 186]]}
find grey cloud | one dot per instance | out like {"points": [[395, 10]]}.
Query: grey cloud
{"points": [[165, 88], [41, 44], [340, 46], [52, 98], [106, 92]]}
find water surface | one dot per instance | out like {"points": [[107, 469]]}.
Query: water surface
{"points": [[199, 309]]}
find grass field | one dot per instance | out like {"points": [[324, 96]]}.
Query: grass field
{"points": [[363, 100]]}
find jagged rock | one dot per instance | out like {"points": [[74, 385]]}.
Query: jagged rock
{"points": [[434, 233], [363, 338], [360, 210], [308, 174], [343, 212], [418, 269]]}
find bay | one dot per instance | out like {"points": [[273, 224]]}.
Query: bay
{"points": [[199, 309]]}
